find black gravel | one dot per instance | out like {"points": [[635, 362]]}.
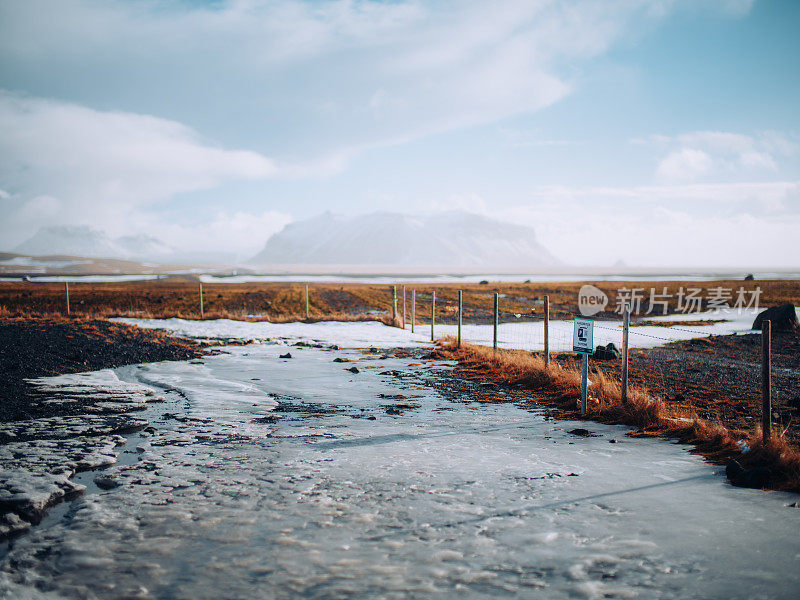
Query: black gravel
{"points": [[40, 347]]}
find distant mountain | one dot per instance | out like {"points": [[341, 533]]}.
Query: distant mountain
{"points": [[454, 240], [82, 240], [144, 247]]}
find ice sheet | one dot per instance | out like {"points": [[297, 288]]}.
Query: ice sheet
{"points": [[339, 498]]}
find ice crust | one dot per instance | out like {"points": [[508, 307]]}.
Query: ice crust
{"points": [[522, 335], [480, 501]]}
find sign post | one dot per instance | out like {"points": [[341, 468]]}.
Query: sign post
{"points": [[582, 343]]}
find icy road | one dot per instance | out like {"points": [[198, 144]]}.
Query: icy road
{"points": [[338, 498]]}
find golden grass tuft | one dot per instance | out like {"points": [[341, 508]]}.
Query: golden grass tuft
{"points": [[560, 386]]}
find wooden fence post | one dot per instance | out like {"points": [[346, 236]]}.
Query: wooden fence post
{"points": [[547, 332], [460, 312], [307, 301], [433, 312], [404, 307], [626, 322], [201, 301], [766, 380], [494, 319], [394, 306], [413, 308], [66, 293]]}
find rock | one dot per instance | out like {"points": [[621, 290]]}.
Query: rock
{"points": [[287, 355], [340, 360], [106, 482], [749, 277], [582, 432], [783, 317], [483, 282], [353, 370], [607, 352], [757, 477]]}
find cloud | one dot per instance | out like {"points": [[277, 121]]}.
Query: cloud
{"points": [[684, 165], [659, 226], [753, 195], [236, 236], [75, 164], [697, 154], [313, 78]]}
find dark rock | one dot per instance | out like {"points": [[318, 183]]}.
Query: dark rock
{"points": [[392, 410], [757, 477], [106, 482], [287, 355], [341, 360], [582, 432], [430, 355], [607, 352], [783, 317], [484, 282], [612, 441], [749, 277], [353, 370]]}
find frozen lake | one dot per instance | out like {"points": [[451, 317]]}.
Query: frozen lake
{"points": [[339, 498]]}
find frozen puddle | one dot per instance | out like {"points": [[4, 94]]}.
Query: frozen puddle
{"points": [[337, 498]]}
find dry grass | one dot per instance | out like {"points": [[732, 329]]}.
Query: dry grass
{"points": [[178, 297], [558, 387]]}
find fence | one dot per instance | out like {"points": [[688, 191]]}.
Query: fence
{"points": [[478, 315], [538, 333]]}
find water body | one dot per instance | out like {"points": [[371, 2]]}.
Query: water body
{"points": [[409, 279], [338, 498]]}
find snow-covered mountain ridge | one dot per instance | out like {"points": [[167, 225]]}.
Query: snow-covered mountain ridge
{"points": [[453, 240]]}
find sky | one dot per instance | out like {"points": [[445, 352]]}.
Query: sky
{"points": [[660, 133]]}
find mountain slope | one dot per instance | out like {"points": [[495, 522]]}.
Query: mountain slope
{"points": [[74, 240], [455, 240], [82, 240]]}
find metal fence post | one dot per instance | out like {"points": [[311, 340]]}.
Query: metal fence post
{"points": [[626, 321], [433, 312], [494, 319], [460, 312], [766, 380], [584, 378], [413, 308], [404, 307], [547, 332]]}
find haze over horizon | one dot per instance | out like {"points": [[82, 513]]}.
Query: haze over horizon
{"points": [[659, 134]]}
